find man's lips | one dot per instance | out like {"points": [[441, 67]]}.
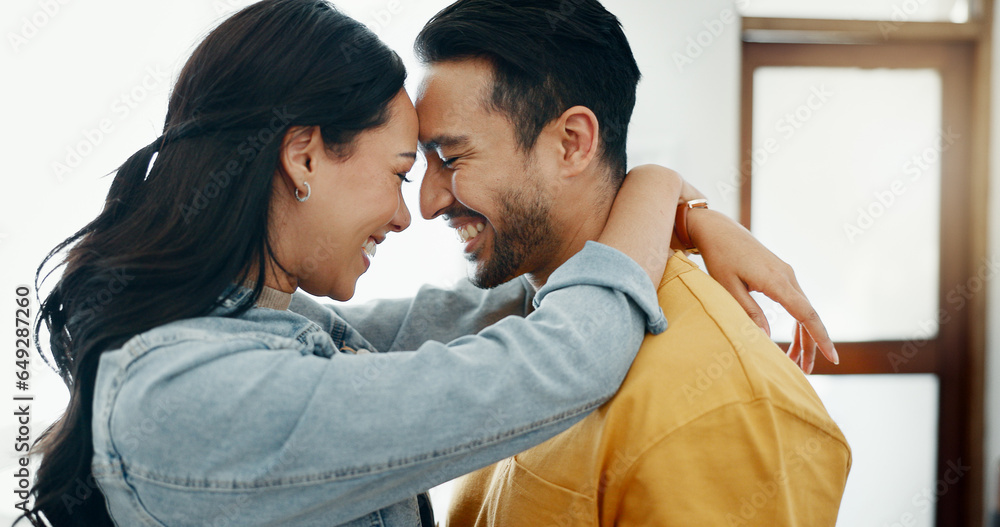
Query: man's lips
{"points": [[467, 224], [462, 216]]}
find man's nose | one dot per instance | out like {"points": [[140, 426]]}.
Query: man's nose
{"points": [[435, 193]]}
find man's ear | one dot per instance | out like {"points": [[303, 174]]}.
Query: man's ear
{"points": [[579, 134], [299, 150]]}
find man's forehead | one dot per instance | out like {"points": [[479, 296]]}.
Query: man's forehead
{"points": [[474, 72], [457, 87], [449, 104]]}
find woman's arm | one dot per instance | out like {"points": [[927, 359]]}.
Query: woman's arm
{"points": [[647, 198], [742, 264], [434, 313], [360, 432]]}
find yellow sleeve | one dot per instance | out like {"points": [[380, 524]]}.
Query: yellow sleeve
{"points": [[742, 464]]}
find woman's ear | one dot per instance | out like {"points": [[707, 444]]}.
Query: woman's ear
{"points": [[299, 149]]}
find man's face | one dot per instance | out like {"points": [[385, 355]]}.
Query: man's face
{"points": [[489, 191]]}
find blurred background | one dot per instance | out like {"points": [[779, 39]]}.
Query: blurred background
{"points": [[853, 137]]}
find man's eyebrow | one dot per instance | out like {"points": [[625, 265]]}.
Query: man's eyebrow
{"points": [[411, 155], [444, 140]]}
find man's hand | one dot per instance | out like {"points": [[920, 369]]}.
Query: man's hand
{"points": [[742, 264]]}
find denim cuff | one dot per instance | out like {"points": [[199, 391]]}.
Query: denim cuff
{"points": [[600, 265]]}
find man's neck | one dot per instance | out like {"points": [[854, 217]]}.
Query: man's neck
{"points": [[579, 219]]}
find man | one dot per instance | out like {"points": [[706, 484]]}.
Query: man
{"points": [[523, 116]]}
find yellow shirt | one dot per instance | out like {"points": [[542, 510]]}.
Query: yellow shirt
{"points": [[712, 426]]}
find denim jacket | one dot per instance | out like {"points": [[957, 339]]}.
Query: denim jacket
{"points": [[293, 418]]}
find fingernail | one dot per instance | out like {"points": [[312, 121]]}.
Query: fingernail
{"points": [[836, 358]]}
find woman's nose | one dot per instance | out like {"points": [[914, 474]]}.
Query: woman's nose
{"points": [[401, 220]]}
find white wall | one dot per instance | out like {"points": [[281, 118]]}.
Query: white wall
{"points": [[82, 66], [72, 74]]}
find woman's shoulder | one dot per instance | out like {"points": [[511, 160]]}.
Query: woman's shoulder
{"points": [[254, 329], [188, 343], [169, 395]]}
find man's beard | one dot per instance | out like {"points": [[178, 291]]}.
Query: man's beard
{"points": [[527, 232]]}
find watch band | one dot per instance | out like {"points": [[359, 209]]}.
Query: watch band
{"points": [[681, 224]]}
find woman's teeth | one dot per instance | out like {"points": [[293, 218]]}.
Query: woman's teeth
{"points": [[470, 231], [369, 248]]}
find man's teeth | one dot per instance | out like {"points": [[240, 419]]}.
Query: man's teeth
{"points": [[369, 248], [470, 231]]}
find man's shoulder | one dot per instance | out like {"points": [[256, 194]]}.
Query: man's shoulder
{"points": [[712, 374], [711, 356]]}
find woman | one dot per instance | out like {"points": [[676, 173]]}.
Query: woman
{"points": [[204, 393]]}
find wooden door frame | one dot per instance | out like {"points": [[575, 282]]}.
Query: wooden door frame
{"points": [[962, 55]]}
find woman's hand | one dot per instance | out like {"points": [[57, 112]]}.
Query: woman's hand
{"points": [[742, 264], [641, 221]]}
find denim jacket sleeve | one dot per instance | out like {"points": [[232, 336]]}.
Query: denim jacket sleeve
{"points": [[282, 433], [441, 314], [435, 313]]}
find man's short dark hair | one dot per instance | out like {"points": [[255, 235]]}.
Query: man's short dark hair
{"points": [[547, 56]]}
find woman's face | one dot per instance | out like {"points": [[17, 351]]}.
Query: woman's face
{"points": [[354, 202]]}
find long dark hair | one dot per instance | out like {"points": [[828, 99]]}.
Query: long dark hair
{"points": [[173, 236]]}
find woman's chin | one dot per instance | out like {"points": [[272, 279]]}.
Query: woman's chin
{"points": [[338, 292], [342, 295]]}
